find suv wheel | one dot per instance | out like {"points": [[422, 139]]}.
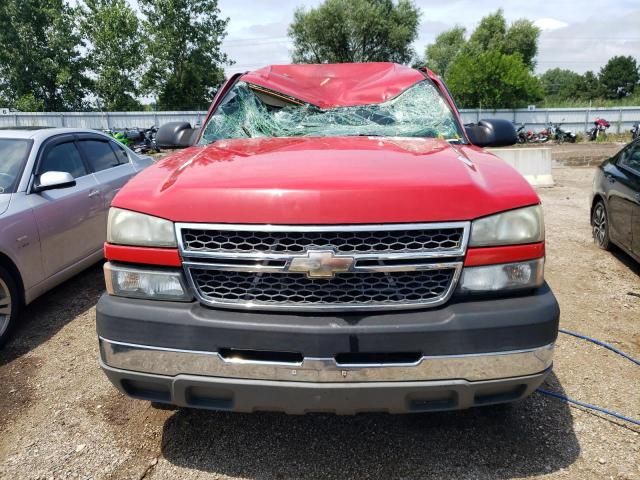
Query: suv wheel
{"points": [[9, 305], [600, 225]]}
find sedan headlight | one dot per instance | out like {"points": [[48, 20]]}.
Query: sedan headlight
{"points": [[147, 283], [506, 276], [524, 225], [132, 228]]}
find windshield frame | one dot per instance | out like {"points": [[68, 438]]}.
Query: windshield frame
{"points": [[22, 164], [228, 88]]}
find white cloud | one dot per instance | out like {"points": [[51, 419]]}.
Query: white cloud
{"points": [[550, 24]]}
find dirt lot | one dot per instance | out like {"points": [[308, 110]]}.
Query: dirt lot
{"points": [[60, 418]]}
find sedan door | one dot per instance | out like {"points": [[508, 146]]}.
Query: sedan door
{"points": [[66, 217], [111, 167], [619, 185], [629, 162]]}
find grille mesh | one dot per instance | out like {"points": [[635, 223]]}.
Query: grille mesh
{"points": [[349, 242], [347, 288]]}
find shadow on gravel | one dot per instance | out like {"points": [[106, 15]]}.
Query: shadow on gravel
{"points": [[44, 317], [529, 438], [626, 260]]}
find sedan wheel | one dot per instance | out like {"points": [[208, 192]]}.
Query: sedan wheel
{"points": [[9, 305], [5, 307], [600, 226]]}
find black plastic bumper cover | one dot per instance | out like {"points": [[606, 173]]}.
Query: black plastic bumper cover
{"points": [[469, 327]]}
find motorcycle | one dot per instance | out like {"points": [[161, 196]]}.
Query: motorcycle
{"points": [[561, 135], [147, 141], [635, 131], [139, 140], [522, 135], [599, 128]]}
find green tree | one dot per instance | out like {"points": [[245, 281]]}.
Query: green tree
{"points": [[40, 62], [589, 86], [112, 30], [492, 80], [493, 33], [619, 76], [440, 54], [182, 46], [355, 31], [493, 69], [522, 38], [490, 33], [561, 84]]}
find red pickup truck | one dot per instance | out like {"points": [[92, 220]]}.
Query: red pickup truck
{"points": [[335, 240]]}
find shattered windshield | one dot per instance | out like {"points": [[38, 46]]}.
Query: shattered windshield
{"points": [[252, 111]]}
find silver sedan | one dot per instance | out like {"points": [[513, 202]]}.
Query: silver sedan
{"points": [[56, 185]]}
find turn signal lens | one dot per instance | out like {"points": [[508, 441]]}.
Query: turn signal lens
{"points": [[145, 283], [507, 276]]}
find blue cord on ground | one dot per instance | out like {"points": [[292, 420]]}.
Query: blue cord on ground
{"points": [[601, 343], [564, 398]]}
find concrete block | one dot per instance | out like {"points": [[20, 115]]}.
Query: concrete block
{"points": [[534, 164]]}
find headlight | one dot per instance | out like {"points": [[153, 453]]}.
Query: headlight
{"points": [[507, 276], [524, 225], [152, 284], [132, 228]]}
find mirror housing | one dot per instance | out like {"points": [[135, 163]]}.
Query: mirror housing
{"points": [[494, 132], [53, 180], [176, 135]]}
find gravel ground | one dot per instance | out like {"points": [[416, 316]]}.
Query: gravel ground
{"points": [[60, 418]]}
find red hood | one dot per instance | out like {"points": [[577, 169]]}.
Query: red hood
{"points": [[339, 180]]}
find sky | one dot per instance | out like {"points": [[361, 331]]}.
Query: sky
{"points": [[579, 35]]}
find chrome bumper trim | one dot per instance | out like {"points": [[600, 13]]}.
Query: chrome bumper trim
{"points": [[473, 367]]}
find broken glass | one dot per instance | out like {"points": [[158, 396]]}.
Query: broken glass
{"points": [[248, 111]]}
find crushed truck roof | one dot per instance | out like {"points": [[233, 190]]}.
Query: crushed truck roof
{"points": [[337, 85]]}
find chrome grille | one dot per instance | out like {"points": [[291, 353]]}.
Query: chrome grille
{"points": [[294, 242], [264, 289], [323, 267]]}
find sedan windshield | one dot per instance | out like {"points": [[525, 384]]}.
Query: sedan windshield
{"points": [[13, 155], [252, 111]]}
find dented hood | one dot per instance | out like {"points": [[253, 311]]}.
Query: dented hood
{"points": [[328, 180]]}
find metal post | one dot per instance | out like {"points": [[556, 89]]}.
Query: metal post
{"points": [[62, 119], [619, 120]]}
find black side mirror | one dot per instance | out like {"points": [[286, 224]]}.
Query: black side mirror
{"points": [[176, 135], [495, 132]]}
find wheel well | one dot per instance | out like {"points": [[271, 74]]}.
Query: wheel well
{"points": [[7, 263]]}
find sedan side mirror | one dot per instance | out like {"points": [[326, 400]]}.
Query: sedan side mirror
{"points": [[495, 132], [53, 180]]}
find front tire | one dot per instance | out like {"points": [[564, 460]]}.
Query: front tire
{"points": [[10, 305], [600, 226]]}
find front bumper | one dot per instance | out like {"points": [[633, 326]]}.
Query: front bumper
{"points": [[468, 353]]}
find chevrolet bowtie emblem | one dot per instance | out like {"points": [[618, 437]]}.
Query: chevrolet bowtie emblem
{"points": [[321, 264]]}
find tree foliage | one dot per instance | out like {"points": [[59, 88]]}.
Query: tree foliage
{"points": [[439, 55], [492, 80], [494, 67], [355, 31], [111, 28], [182, 46], [619, 76], [41, 67]]}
